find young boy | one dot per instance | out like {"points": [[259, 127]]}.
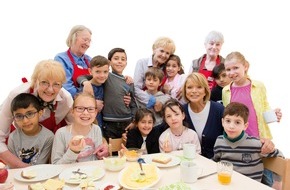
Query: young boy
{"points": [[99, 70], [153, 79], [114, 118], [237, 147], [221, 79], [31, 142], [116, 114]]}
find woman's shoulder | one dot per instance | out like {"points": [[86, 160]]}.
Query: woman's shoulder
{"points": [[216, 105]]}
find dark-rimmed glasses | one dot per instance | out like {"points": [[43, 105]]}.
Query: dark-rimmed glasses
{"points": [[28, 115], [81, 109]]}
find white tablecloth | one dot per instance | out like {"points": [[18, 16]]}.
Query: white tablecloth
{"points": [[168, 176]]}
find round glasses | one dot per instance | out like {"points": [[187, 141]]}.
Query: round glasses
{"points": [[45, 84], [28, 115], [81, 109]]}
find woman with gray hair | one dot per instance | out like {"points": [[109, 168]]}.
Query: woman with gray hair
{"points": [[205, 64], [75, 62]]}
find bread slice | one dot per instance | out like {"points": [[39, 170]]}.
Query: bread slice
{"points": [[50, 184], [28, 174], [161, 159]]}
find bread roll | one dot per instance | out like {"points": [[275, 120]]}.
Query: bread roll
{"points": [[28, 174]]}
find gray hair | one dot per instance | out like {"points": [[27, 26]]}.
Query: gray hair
{"points": [[214, 36], [73, 34]]}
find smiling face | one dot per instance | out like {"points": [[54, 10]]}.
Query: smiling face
{"points": [[172, 68], [82, 43], [145, 125], [194, 92], [152, 84], [99, 74], [161, 55], [84, 110], [236, 71], [48, 89], [213, 48], [118, 62], [28, 125], [234, 125]]}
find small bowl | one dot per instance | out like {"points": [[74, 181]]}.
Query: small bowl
{"points": [[114, 163], [132, 154]]}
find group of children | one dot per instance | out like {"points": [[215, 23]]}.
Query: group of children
{"points": [[156, 130]]}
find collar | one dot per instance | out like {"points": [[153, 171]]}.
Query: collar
{"points": [[235, 139]]}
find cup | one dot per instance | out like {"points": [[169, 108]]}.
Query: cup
{"points": [[224, 171], [189, 171], [189, 150], [270, 116]]}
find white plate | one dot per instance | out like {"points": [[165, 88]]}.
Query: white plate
{"points": [[98, 186], [89, 170], [174, 160], [43, 172], [132, 188]]}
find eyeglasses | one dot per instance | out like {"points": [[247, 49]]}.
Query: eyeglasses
{"points": [[45, 84], [81, 109], [28, 115]]}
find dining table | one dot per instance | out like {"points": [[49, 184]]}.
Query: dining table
{"points": [[208, 179]]}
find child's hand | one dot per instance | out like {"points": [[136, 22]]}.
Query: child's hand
{"points": [[278, 114], [100, 105], [102, 151], [77, 144], [127, 99], [158, 106], [167, 89], [129, 80], [166, 147], [88, 88]]}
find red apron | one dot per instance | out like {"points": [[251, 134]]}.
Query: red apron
{"points": [[77, 70], [207, 73]]}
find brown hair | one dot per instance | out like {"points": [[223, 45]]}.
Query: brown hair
{"points": [[237, 109]]}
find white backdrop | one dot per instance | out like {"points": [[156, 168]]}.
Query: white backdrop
{"points": [[35, 30]]}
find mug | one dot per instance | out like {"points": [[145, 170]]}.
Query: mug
{"points": [[189, 171], [189, 150], [270, 116]]}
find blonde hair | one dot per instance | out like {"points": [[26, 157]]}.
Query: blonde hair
{"points": [[48, 69], [84, 95], [200, 80], [239, 58], [164, 42], [73, 34]]}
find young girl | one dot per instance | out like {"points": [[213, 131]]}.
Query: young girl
{"points": [[177, 134], [175, 76], [82, 140], [252, 93], [144, 136]]}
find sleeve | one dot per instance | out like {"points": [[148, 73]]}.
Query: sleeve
{"points": [[217, 154], [46, 149], [60, 154], [68, 68], [83, 78], [139, 76], [11, 144]]}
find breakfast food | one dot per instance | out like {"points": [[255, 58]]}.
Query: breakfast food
{"points": [[132, 154], [162, 159], [50, 184], [87, 185], [132, 178], [78, 137], [28, 174]]}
